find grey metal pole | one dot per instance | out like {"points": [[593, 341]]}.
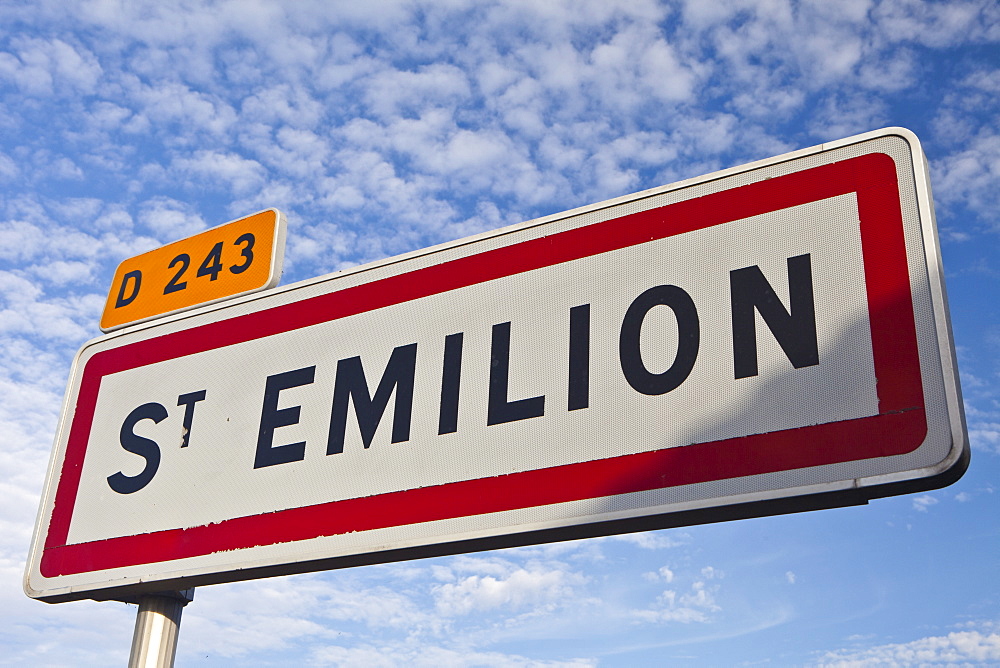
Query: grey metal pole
{"points": [[154, 641]]}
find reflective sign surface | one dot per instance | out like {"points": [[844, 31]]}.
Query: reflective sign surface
{"points": [[232, 259], [772, 333]]}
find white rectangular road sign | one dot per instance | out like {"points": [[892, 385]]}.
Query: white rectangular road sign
{"points": [[765, 339]]}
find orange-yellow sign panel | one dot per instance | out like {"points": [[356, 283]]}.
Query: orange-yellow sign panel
{"points": [[233, 259]]}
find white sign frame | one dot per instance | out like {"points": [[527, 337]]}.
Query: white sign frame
{"points": [[891, 421]]}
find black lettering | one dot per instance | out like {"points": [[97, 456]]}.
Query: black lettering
{"points": [[351, 383], [188, 401], [176, 284], [579, 357], [271, 417], [500, 409], [450, 379], [794, 329], [136, 277], [246, 252], [138, 445], [212, 264], [688, 338]]}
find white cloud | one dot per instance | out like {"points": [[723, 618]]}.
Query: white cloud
{"points": [[77, 634], [171, 105], [8, 168], [971, 176], [432, 657], [987, 80], [896, 70], [635, 67], [957, 648], [61, 272], [850, 113], [938, 24], [985, 436], [696, 604], [239, 175], [533, 586], [267, 615], [653, 540], [300, 153], [41, 67], [923, 502], [393, 93], [170, 219], [20, 240], [25, 311], [108, 115], [283, 104], [64, 168], [381, 607]]}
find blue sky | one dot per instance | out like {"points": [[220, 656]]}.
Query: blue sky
{"points": [[384, 127]]}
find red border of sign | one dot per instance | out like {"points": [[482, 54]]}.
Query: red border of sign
{"points": [[900, 426]]}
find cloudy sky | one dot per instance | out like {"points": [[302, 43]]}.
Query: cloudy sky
{"points": [[384, 127]]}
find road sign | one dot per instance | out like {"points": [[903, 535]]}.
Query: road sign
{"points": [[769, 338], [236, 258]]}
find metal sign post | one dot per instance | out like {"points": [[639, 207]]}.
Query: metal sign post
{"points": [[157, 625]]}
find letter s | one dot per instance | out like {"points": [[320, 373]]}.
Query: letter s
{"points": [[144, 447]]}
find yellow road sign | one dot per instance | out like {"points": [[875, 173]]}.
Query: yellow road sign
{"points": [[233, 259]]}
